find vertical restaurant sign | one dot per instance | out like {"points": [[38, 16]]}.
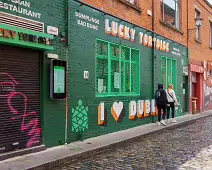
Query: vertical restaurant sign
{"points": [[127, 33], [19, 6]]}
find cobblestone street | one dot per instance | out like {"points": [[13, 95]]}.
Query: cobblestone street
{"points": [[187, 147]]}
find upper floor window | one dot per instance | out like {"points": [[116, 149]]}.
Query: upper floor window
{"points": [[133, 2], [197, 15], [170, 12], [211, 34]]}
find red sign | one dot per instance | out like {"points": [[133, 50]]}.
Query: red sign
{"points": [[197, 69]]}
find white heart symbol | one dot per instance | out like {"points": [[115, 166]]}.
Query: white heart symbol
{"points": [[117, 109]]}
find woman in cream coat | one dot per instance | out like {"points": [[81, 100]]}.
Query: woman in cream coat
{"points": [[172, 100]]}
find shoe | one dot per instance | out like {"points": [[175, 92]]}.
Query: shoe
{"points": [[174, 121], [163, 122], [158, 123]]}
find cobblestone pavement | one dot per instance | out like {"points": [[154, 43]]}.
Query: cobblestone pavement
{"points": [[188, 147]]}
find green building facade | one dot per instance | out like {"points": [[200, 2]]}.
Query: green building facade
{"points": [[113, 71], [124, 67]]}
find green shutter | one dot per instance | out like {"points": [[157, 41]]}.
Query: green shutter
{"points": [[168, 72], [174, 73]]}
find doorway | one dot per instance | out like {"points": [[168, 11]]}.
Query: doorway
{"points": [[185, 94]]}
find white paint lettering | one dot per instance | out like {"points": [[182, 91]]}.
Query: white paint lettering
{"points": [[107, 26], [132, 32]]}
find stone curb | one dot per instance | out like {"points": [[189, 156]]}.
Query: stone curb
{"points": [[101, 149], [22, 152]]}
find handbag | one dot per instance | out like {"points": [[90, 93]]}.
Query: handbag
{"points": [[172, 97]]}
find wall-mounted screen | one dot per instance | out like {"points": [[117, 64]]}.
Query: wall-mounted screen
{"points": [[58, 79]]}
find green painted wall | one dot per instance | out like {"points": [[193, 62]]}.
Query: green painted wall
{"points": [[53, 13], [82, 58], [81, 55]]}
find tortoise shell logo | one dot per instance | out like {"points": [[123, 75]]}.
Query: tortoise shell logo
{"points": [[79, 118], [117, 111]]}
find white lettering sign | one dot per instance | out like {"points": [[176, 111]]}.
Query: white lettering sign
{"points": [[132, 109], [122, 31], [20, 9], [148, 40], [87, 21], [52, 30], [176, 51]]}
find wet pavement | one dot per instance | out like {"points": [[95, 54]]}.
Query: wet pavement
{"points": [[186, 147]]}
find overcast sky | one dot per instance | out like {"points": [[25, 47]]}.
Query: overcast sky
{"points": [[210, 1]]}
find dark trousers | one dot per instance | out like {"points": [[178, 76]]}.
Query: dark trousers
{"points": [[171, 106], [160, 108]]}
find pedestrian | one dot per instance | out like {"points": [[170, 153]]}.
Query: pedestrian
{"points": [[172, 100], [161, 102]]}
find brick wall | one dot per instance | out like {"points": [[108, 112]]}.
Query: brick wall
{"points": [[180, 35], [124, 11], [200, 50]]}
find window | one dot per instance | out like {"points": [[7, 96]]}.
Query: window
{"points": [[168, 72], [197, 14], [134, 2], [170, 12], [210, 34], [117, 70]]}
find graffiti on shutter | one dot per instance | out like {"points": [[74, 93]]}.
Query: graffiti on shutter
{"points": [[31, 126]]}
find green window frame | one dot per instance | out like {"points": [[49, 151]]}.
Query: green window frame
{"points": [[169, 72], [117, 70]]}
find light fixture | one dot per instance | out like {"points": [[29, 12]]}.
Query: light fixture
{"points": [[198, 22]]}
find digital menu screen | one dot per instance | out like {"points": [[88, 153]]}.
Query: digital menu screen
{"points": [[58, 79]]}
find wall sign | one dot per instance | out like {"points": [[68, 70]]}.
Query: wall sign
{"points": [[22, 37], [87, 21], [196, 68], [139, 109], [21, 7], [122, 31], [86, 75], [127, 33], [205, 69], [52, 30], [57, 79], [176, 51], [116, 80], [185, 71]]}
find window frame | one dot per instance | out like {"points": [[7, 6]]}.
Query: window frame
{"points": [[198, 30], [177, 15], [135, 3], [110, 58], [210, 33], [135, 7]]}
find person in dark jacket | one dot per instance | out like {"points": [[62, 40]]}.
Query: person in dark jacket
{"points": [[161, 102]]}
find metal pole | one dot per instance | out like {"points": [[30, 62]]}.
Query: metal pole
{"points": [[153, 53], [67, 50]]}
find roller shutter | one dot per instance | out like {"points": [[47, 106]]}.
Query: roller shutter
{"points": [[19, 98]]}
